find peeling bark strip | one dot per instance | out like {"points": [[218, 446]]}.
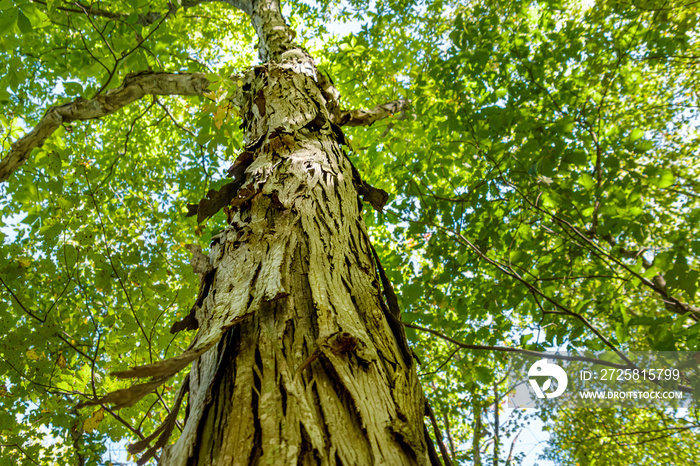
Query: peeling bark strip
{"points": [[392, 311], [133, 88], [200, 264], [228, 194], [376, 197], [164, 431], [214, 202]]}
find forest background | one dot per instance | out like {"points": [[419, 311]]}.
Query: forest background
{"points": [[542, 169]]}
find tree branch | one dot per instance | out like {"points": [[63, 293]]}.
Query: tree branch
{"points": [[145, 19], [438, 435], [671, 303], [367, 117], [539, 354], [133, 88], [507, 349], [535, 291], [17, 446]]}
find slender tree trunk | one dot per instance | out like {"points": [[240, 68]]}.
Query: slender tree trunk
{"points": [[496, 424], [309, 369], [476, 441], [446, 421]]}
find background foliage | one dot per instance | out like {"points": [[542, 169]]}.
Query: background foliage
{"points": [[544, 195]]}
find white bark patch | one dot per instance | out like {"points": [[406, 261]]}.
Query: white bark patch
{"points": [[200, 262]]}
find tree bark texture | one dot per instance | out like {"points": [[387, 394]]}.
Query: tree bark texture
{"points": [[295, 361]]}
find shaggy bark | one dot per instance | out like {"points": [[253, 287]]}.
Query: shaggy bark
{"points": [[298, 359], [313, 373]]}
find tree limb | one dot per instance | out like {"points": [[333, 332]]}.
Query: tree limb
{"points": [[145, 19], [671, 303], [367, 117], [508, 349], [438, 435], [133, 87], [538, 354]]}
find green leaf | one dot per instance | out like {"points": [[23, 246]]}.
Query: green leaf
{"points": [[636, 134], [73, 89], [663, 179], [25, 25]]}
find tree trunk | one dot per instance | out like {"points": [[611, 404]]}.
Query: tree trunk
{"points": [[309, 369]]}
